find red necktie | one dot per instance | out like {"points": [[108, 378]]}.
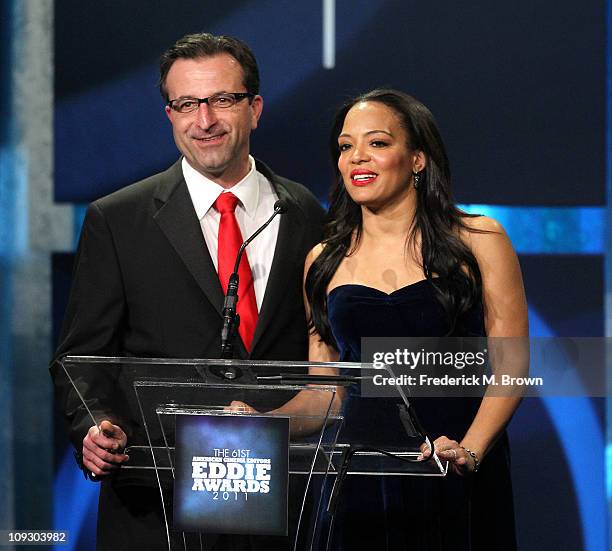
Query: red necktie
{"points": [[230, 240]]}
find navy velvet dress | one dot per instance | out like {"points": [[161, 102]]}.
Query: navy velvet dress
{"points": [[409, 513]]}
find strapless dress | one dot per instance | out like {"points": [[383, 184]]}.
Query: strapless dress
{"points": [[453, 513]]}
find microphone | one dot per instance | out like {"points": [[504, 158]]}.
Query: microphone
{"points": [[231, 320]]}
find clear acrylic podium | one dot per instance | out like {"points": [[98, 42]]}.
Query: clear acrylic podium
{"points": [[323, 402]]}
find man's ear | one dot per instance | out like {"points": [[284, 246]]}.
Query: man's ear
{"points": [[256, 110]]}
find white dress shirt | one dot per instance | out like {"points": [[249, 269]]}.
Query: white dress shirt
{"points": [[256, 198]]}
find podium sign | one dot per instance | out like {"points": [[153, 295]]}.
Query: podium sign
{"points": [[231, 474]]}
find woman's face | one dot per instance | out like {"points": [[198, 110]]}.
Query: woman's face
{"points": [[375, 162]]}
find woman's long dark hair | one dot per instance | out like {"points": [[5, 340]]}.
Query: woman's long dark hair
{"points": [[437, 220]]}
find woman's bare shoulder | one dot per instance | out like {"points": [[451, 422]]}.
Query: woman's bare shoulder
{"points": [[315, 251], [312, 256], [482, 225], [482, 233]]}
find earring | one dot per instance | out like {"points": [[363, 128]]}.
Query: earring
{"points": [[417, 178]]}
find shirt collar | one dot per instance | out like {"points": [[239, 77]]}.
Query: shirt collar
{"points": [[204, 192]]}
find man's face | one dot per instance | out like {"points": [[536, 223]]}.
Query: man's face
{"points": [[214, 142]]}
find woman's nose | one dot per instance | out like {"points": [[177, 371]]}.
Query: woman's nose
{"points": [[359, 154]]}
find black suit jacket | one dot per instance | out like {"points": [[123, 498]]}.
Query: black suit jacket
{"points": [[144, 283]]}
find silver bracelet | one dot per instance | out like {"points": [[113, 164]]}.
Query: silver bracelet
{"points": [[474, 457]]}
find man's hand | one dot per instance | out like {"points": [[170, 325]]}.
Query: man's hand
{"points": [[103, 448]]}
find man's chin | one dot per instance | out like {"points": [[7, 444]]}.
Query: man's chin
{"points": [[219, 168], [209, 167], [221, 173]]}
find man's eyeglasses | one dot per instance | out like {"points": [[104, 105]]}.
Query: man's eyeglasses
{"points": [[223, 100]]}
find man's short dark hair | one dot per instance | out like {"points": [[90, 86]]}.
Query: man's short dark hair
{"points": [[194, 46]]}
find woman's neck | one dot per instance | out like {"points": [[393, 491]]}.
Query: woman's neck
{"points": [[391, 221]]}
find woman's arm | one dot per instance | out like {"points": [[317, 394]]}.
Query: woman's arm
{"points": [[318, 351], [309, 402], [505, 316]]}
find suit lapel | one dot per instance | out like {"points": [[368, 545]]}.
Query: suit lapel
{"points": [[177, 219], [290, 233]]}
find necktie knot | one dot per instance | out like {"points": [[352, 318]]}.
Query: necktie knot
{"points": [[226, 203]]}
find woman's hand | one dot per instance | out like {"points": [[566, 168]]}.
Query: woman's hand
{"points": [[460, 460], [240, 407]]}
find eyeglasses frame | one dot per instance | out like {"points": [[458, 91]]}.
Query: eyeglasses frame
{"points": [[238, 96]]}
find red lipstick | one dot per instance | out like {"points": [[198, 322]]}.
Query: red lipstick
{"points": [[361, 177]]}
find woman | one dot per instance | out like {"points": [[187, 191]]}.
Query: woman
{"points": [[399, 259]]}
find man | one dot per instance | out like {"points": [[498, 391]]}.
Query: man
{"points": [[152, 262]]}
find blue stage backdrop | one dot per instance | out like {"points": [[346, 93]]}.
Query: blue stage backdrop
{"points": [[518, 89]]}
